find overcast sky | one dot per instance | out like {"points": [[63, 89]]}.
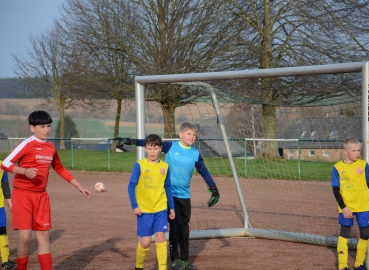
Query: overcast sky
{"points": [[18, 20]]}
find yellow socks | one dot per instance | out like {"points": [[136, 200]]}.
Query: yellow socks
{"points": [[4, 247], [161, 255], [342, 252], [361, 250], [141, 256]]}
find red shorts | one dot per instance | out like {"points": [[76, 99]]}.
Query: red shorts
{"points": [[31, 210]]}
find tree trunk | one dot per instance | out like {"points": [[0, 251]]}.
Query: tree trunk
{"points": [[116, 124], [169, 121], [62, 126], [270, 132]]}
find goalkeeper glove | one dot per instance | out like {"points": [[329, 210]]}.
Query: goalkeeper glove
{"points": [[214, 196], [126, 141]]}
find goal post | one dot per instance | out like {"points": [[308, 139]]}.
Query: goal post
{"points": [[261, 204]]}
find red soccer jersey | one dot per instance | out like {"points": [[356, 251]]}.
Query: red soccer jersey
{"points": [[35, 153]]}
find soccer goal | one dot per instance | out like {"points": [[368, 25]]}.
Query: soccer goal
{"points": [[269, 138]]}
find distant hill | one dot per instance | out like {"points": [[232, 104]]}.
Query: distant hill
{"points": [[11, 88]]}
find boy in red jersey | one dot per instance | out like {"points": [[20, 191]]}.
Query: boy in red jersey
{"points": [[350, 182], [31, 204]]}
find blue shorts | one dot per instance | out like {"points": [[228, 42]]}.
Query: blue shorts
{"points": [[2, 217], [362, 219], [148, 224]]}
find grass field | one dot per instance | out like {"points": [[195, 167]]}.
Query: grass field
{"points": [[257, 168]]}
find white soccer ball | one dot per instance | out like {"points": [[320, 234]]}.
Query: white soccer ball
{"points": [[100, 187]]}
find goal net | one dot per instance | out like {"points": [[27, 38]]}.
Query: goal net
{"points": [[269, 138]]}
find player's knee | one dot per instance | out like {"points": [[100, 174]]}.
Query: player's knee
{"points": [[364, 233], [345, 231], [2, 230]]}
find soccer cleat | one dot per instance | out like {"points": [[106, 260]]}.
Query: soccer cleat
{"points": [[189, 266], [9, 265], [361, 267], [177, 265]]}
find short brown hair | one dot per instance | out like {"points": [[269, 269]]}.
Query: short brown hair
{"points": [[186, 126], [350, 141]]}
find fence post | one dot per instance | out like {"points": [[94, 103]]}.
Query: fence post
{"points": [[299, 158], [245, 147], [72, 148], [108, 154]]}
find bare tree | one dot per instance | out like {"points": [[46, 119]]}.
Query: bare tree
{"points": [[293, 33], [148, 37], [97, 28], [50, 71]]}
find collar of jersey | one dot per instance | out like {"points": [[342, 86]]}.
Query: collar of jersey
{"points": [[186, 147], [37, 139]]}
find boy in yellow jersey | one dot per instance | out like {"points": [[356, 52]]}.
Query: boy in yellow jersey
{"points": [[150, 193], [350, 182], [5, 195]]}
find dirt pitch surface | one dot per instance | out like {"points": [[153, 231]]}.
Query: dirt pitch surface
{"points": [[101, 234]]}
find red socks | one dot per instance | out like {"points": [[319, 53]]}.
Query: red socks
{"points": [[45, 261], [22, 263]]}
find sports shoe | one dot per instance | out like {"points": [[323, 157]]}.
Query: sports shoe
{"points": [[9, 265], [138, 268], [189, 266], [361, 267], [177, 265]]}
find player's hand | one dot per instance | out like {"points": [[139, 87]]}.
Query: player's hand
{"points": [[214, 196], [172, 214], [9, 203], [87, 193], [137, 211], [127, 141], [123, 141], [347, 213], [30, 172]]}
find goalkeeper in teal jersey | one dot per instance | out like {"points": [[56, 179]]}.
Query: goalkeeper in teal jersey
{"points": [[350, 182], [182, 158]]}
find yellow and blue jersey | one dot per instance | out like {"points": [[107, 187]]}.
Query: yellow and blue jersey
{"points": [[352, 180], [150, 186]]}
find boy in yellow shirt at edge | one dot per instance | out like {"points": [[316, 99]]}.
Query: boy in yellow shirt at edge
{"points": [[350, 182]]}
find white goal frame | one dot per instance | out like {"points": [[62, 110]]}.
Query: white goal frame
{"points": [[356, 67]]}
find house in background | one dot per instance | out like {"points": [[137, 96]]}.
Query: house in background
{"points": [[320, 138]]}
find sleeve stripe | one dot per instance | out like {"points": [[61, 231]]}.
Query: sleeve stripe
{"points": [[7, 162]]}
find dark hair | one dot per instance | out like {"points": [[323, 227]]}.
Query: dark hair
{"points": [[39, 118], [153, 140]]}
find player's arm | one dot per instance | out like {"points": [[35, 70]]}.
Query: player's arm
{"points": [[168, 191], [336, 188], [6, 189], [204, 172], [367, 174], [60, 169], [337, 194], [141, 142], [9, 163], [84, 191], [133, 180]]}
